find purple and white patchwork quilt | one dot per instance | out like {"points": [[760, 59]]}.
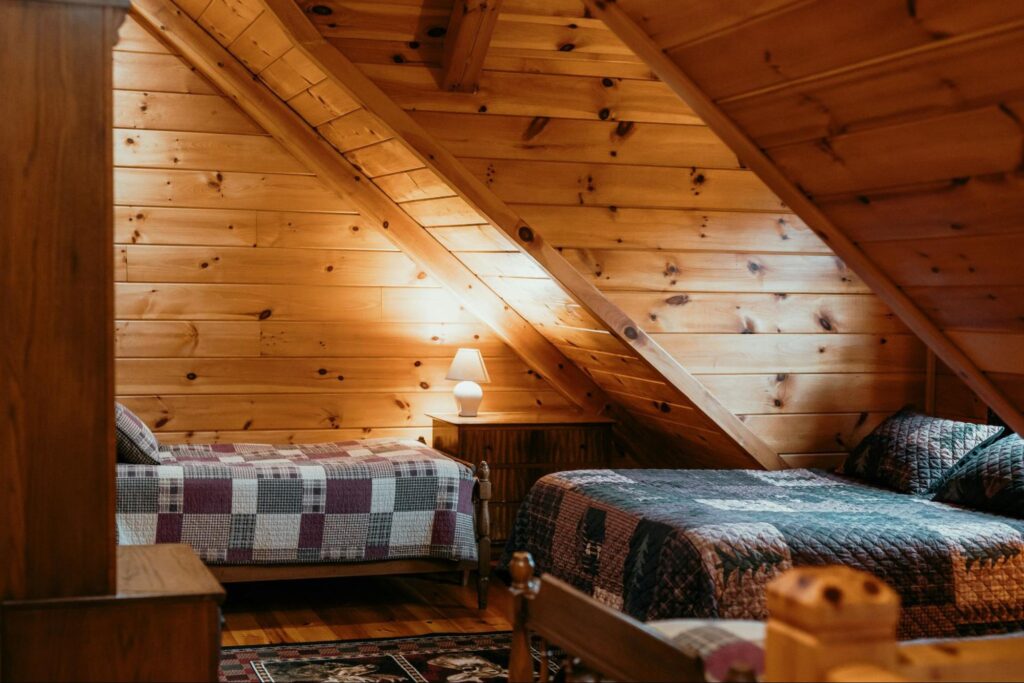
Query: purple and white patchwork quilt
{"points": [[346, 501]]}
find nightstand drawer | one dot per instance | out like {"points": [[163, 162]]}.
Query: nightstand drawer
{"points": [[522, 451]]}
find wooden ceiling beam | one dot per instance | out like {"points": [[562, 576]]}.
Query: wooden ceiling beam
{"points": [[748, 449], [623, 25], [465, 45], [268, 110]]}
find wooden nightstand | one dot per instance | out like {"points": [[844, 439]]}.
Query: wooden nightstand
{"points": [[521, 448]]}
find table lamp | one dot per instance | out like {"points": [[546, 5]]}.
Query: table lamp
{"points": [[468, 369]]}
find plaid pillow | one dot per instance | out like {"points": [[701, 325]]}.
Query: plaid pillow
{"points": [[723, 646], [911, 452], [136, 445], [990, 480]]}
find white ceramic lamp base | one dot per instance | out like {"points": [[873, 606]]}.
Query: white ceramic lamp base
{"points": [[468, 395]]}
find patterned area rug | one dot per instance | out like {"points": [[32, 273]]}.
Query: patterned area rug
{"points": [[463, 658]]}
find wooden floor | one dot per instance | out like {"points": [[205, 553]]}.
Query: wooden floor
{"points": [[347, 609]]}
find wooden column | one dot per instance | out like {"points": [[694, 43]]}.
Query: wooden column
{"points": [[56, 274], [821, 618]]}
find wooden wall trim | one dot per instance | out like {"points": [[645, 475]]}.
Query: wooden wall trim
{"points": [[265, 107], [623, 25], [486, 203]]}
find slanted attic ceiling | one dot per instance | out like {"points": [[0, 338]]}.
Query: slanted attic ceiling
{"points": [[750, 314], [895, 130]]}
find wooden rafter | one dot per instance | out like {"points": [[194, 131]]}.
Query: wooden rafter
{"points": [[627, 29], [267, 109], [466, 42], [742, 446]]}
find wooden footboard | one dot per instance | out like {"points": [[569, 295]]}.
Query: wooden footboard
{"points": [[825, 624]]}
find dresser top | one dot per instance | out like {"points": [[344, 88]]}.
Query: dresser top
{"points": [[539, 417]]}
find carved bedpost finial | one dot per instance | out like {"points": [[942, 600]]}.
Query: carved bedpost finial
{"points": [[521, 568], [820, 618], [524, 587]]}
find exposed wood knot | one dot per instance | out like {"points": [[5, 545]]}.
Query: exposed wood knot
{"points": [[526, 234], [321, 10], [678, 300], [437, 31], [624, 128], [536, 126], [631, 332]]}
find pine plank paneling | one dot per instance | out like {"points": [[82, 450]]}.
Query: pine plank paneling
{"points": [[542, 138], [190, 301], [571, 184], [172, 338], [517, 94], [273, 266], [758, 313], [721, 272], [348, 374], [199, 151], [245, 412], [176, 111], [664, 229], [212, 189], [434, 340], [261, 306], [163, 225], [894, 130]]}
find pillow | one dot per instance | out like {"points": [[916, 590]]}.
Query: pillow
{"points": [[911, 453], [136, 445], [992, 479]]}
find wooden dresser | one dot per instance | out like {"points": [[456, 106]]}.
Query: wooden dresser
{"points": [[521, 448], [163, 624]]}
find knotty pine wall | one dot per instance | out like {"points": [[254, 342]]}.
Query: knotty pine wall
{"points": [[571, 129], [252, 303]]}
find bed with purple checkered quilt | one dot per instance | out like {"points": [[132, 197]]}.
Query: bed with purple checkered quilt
{"points": [[347, 501]]}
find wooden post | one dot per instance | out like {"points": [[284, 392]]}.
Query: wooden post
{"points": [[821, 618], [524, 588], [56, 274], [483, 533]]}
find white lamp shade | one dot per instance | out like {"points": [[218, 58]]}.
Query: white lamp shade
{"points": [[468, 365]]}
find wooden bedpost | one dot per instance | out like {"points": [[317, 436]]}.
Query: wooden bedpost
{"points": [[524, 588], [820, 618], [483, 533]]}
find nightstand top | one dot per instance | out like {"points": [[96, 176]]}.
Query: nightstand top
{"points": [[539, 417]]}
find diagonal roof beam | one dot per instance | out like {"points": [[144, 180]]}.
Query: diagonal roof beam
{"points": [[466, 42], [636, 38], [264, 106], [742, 447]]}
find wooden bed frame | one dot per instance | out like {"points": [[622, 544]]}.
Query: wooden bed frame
{"points": [[238, 573], [824, 624]]}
